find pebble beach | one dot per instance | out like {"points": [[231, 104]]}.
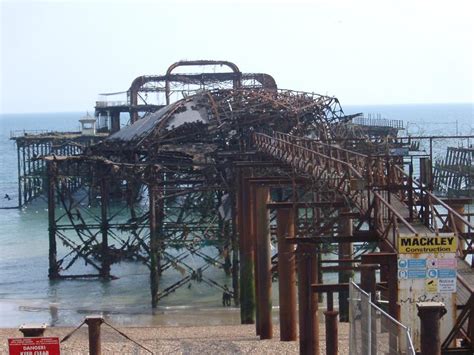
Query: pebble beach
{"points": [[225, 339]]}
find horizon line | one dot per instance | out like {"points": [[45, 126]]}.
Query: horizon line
{"points": [[342, 105]]}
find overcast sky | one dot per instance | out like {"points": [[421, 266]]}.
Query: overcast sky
{"points": [[58, 55]]}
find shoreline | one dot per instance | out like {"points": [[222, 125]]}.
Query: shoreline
{"points": [[221, 339]]}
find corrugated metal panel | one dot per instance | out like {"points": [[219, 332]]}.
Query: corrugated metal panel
{"points": [[184, 111], [140, 128]]}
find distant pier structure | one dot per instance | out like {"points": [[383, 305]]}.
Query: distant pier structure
{"points": [[33, 144]]}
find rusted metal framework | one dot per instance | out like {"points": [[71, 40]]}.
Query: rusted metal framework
{"points": [[454, 176], [238, 169], [31, 170]]}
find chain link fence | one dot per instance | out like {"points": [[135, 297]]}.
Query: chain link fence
{"points": [[372, 330]]}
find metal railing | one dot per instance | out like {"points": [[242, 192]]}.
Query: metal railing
{"points": [[102, 104], [26, 132], [372, 330], [378, 122]]}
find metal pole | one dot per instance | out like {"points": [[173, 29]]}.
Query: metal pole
{"points": [[53, 272], [368, 283], [20, 203], [307, 300], [235, 248], [154, 264], [95, 344], [264, 263], [105, 270], [430, 313], [331, 326], [345, 252], [331, 332], [253, 238], [286, 274], [247, 280]]}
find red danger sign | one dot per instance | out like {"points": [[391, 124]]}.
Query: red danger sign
{"points": [[33, 346]]}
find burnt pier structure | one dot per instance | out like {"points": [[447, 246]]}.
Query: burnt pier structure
{"points": [[261, 182]]}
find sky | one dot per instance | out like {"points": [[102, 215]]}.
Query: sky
{"points": [[59, 55]]}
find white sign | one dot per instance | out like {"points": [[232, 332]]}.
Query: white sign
{"points": [[426, 272], [446, 285]]}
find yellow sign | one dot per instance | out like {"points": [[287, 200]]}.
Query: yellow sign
{"points": [[431, 285], [427, 244]]}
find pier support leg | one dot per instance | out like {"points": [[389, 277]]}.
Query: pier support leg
{"points": [[430, 313], [307, 300], [368, 284], [331, 332], [345, 252], [53, 272], [247, 281], [286, 274], [253, 238], [114, 122], [104, 200], [154, 259], [264, 263], [235, 251]]}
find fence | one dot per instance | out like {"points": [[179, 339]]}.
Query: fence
{"points": [[372, 330]]}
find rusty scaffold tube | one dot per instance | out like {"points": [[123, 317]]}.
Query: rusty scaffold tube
{"points": [[53, 271], [154, 260], [253, 237], [247, 280], [307, 300], [345, 228], [430, 314], [264, 266], [286, 274]]}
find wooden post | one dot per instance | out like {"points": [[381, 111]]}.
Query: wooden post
{"points": [[53, 272], [247, 280], [307, 300], [263, 253], [95, 343], [286, 274]]}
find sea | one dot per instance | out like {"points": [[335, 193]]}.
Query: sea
{"points": [[27, 296]]}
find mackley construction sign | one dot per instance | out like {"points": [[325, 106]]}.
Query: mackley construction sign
{"points": [[427, 271], [427, 244]]}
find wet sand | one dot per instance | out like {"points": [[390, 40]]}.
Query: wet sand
{"points": [[223, 339]]}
